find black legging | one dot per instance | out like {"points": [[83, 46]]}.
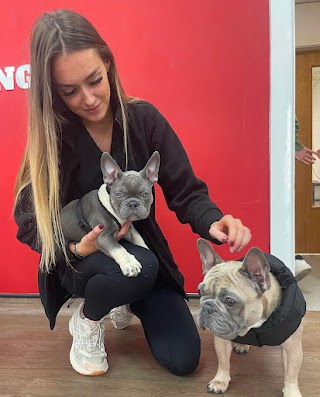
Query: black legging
{"points": [[167, 322]]}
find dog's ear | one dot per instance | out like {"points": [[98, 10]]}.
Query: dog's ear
{"points": [[151, 170], [256, 268], [208, 255], [110, 169]]}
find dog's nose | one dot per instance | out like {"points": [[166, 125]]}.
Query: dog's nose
{"points": [[207, 309], [133, 204]]}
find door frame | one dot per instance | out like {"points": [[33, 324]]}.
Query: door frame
{"points": [[282, 110]]}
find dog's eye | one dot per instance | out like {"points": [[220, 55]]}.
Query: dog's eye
{"points": [[145, 194], [230, 302], [119, 195]]}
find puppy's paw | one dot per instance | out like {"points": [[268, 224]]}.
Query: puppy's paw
{"points": [[241, 349], [130, 267], [218, 386]]}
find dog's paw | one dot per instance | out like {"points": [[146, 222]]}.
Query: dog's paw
{"points": [[217, 386], [241, 349], [130, 267]]}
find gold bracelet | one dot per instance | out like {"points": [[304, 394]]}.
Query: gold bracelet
{"points": [[76, 253]]}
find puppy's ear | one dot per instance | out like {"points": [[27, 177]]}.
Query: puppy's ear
{"points": [[110, 169], [256, 268], [151, 170], [208, 255]]}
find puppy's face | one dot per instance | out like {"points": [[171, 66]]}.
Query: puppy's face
{"points": [[131, 191], [131, 196], [231, 292]]}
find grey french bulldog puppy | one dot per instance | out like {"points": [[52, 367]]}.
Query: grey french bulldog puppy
{"points": [[129, 198], [236, 297]]}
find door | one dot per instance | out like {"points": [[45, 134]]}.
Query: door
{"points": [[307, 211]]}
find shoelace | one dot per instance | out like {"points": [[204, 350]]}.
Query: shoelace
{"points": [[92, 342]]}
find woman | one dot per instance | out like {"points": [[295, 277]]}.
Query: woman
{"points": [[77, 110]]}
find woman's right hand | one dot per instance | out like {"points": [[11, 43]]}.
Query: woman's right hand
{"points": [[88, 244]]}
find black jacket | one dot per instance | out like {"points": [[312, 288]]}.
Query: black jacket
{"points": [[185, 194], [287, 318]]}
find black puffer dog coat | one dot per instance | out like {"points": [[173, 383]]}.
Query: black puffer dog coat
{"points": [[284, 321]]}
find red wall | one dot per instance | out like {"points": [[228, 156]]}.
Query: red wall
{"points": [[205, 65]]}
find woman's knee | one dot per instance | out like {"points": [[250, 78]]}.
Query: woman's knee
{"points": [[149, 262], [185, 368], [182, 362], [115, 289], [149, 270], [99, 263]]}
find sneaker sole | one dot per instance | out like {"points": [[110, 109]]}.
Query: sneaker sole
{"points": [[76, 367], [81, 371], [114, 323]]}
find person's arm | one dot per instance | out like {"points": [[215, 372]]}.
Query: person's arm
{"points": [[88, 244], [186, 194], [27, 227], [25, 219], [302, 154], [27, 230], [298, 145]]}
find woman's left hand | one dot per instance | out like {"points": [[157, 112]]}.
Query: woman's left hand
{"points": [[231, 231]]}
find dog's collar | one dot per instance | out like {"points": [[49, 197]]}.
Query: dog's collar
{"points": [[104, 198], [81, 221]]}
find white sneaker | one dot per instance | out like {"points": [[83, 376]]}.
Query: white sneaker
{"points": [[302, 268], [121, 316], [87, 354]]}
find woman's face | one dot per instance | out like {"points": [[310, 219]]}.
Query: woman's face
{"points": [[82, 82]]}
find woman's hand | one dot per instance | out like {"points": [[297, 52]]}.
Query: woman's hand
{"points": [[231, 231], [88, 244], [123, 231]]}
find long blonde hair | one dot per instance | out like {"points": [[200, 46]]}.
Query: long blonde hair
{"points": [[62, 31]]}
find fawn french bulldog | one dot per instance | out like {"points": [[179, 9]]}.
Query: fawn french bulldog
{"points": [[242, 303]]}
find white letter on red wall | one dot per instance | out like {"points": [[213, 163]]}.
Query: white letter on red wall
{"points": [[23, 76], [6, 79]]}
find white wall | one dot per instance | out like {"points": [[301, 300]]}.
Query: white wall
{"points": [[307, 27]]}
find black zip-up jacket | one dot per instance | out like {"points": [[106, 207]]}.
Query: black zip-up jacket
{"points": [[184, 193]]}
